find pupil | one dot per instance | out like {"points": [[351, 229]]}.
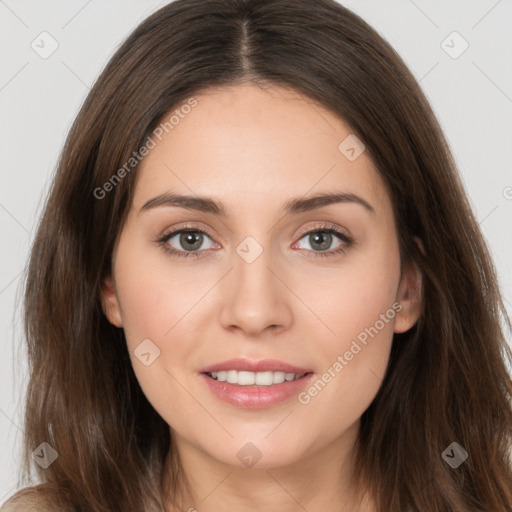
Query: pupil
{"points": [[191, 239], [322, 238]]}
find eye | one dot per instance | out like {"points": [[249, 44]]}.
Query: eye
{"points": [[187, 242], [322, 238]]}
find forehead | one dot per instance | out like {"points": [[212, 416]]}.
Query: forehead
{"points": [[244, 144]]}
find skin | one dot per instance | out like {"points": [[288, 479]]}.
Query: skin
{"points": [[255, 149]]}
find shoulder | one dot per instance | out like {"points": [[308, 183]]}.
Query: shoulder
{"points": [[39, 498]]}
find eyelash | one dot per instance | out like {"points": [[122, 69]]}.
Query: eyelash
{"points": [[323, 228]]}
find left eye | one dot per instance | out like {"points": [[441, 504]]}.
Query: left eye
{"points": [[321, 240]]}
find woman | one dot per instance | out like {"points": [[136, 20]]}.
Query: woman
{"points": [[258, 284]]}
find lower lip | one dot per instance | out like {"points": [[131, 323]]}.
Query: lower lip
{"points": [[256, 397]]}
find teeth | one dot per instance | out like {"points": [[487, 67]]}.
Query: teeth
{"points": [[243, 378], [278, 377]]}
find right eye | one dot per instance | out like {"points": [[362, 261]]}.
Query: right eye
{"points": [[191, 241]]}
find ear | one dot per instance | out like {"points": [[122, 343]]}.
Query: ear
{"points": [[410, 295], [109, 302]]}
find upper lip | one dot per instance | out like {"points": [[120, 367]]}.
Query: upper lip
{"points": [[264, 365]]}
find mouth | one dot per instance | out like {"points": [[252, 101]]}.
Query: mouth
{"points": [[258, 388], [247, 378]]}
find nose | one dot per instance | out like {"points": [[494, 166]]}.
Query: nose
{"points": [[255, 297]]}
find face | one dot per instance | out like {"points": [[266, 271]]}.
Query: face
{"points": [[263, 273]]}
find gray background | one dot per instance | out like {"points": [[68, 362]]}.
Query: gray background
{"points": [[39, 97]]}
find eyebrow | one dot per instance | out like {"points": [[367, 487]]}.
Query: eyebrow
{"points": [[294, 206]]}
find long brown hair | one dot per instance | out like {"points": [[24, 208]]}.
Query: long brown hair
{"points": [[447, 379]]}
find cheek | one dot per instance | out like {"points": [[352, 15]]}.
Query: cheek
{"points": [[155, 295], [350, 298], [154, 302], [360, 309]]}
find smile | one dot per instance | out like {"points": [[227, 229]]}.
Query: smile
{"points": [[245, 378], [255, 390]]}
